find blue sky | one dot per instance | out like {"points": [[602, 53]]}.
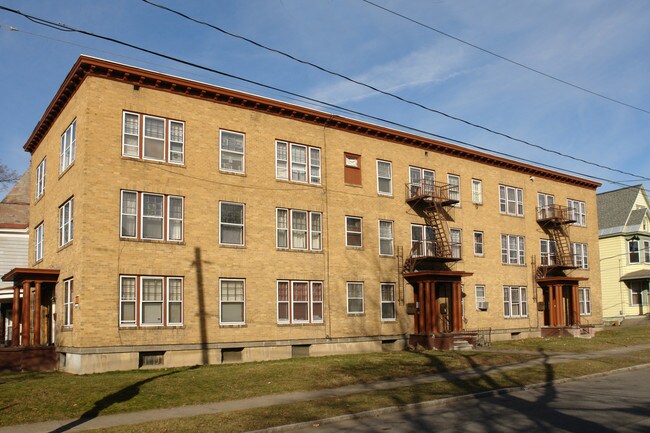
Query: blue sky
{"points": [[603, 46]]}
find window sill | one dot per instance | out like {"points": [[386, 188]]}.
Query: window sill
{"points": [[352, 247], [385, 195], [234, 173], [234, 246], [386, 256], [67, 169], [233, 325], [356, 314], [354, 185], [283, 325], [389, 321], [63, 247], [290, 250], [299, 183], [153, 161], [152, 241]]}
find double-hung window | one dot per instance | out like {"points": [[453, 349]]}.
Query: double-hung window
{"points": [[300, 301], [646, 251], [353, 232], [151, 216], [388, 310], [511, 200], [40, 179], [66, 222], [298, 229], [421, 182], [153, 138], [151, 300], [454, 187], [423, 241], [384, 178], [297, 162], [479, 291], [478, 243], [68, 147], [38, 242], [68, 302], [584, 295], [232, 300], [455, 238], [580, 256], [477, 191], [231, 151], [385, 238], [633, 251], [513, 250], [577, 212], [355, 297], [545, 204], [548, 252], [231, 223], [515, 302]]}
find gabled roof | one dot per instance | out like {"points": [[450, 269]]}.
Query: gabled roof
{"points": [[14, 208], [616, 211], [142, 78]]}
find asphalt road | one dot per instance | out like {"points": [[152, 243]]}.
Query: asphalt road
{"points": [[618, 402]]}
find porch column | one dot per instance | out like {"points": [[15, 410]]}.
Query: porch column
{"points": [[559, 311], [552, 313], [457, 303], [436, 308], [428, 315], [421, 308], [575, 305], [37, 314], [15, 318], [25, 341]]}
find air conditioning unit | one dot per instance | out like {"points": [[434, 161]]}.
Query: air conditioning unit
{"points": [[482, 305]]}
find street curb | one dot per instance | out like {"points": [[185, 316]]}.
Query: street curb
{"points": [[440, 402]]}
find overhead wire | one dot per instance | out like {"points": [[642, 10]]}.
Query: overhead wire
{"points": [[387, 93], [64, 27], [514, 62]]}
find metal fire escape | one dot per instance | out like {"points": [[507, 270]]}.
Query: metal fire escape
{"points": [[429, 199], [555, 220]]}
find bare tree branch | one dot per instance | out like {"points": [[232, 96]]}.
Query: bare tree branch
{"points": [[7, 177]]}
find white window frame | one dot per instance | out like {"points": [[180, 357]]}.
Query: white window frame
{"points": [[169, 302], [477, 191], [282, 229], [170, 219], [360, 232], [312, 287], [580, 255], [456, 243], [427, 240], [386, 240], [509, 303], [68, 147], [544, 202], [646, 251], [139, 136], [124, 301], [160, 217], [138, 216], [505, 200], [519, 249], [384, 301], [578, 210], [298, 233], [242, 225], [243, 301], [66, 221], [38, 242], [313, 231], [479, 245], [316, 233], [306, 303], [389, 178], [584, 299], [284, 167], [454, 187], [349, 298], [233, 152], [479, 294], [124, 214], [40, 179], [68, 302], [160, 301], [146, 117], [547, 252]]}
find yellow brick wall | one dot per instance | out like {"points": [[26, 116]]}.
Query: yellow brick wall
{"points": [[97, 256]]}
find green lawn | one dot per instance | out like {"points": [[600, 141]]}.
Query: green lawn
{"points": [[32, 397]]}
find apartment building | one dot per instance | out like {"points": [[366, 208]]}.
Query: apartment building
{"points": [[178, 223]]}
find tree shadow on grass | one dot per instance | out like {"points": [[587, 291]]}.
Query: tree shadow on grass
{"points": [[121, 396]]}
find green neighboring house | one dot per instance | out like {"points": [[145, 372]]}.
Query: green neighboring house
{"points": [[624, 242]]}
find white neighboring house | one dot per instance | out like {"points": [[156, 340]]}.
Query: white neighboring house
{"points": [[14, 239]]}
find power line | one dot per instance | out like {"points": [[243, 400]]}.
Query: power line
{"points": [[66, 28], [384, 92], [514, 62]]}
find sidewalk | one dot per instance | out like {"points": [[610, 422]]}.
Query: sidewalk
{"points": [[130, 418]]}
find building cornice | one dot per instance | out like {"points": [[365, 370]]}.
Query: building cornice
{"points": [[94, 67]]}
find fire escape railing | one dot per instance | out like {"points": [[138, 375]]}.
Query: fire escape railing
{"points": [[555, 220]]}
